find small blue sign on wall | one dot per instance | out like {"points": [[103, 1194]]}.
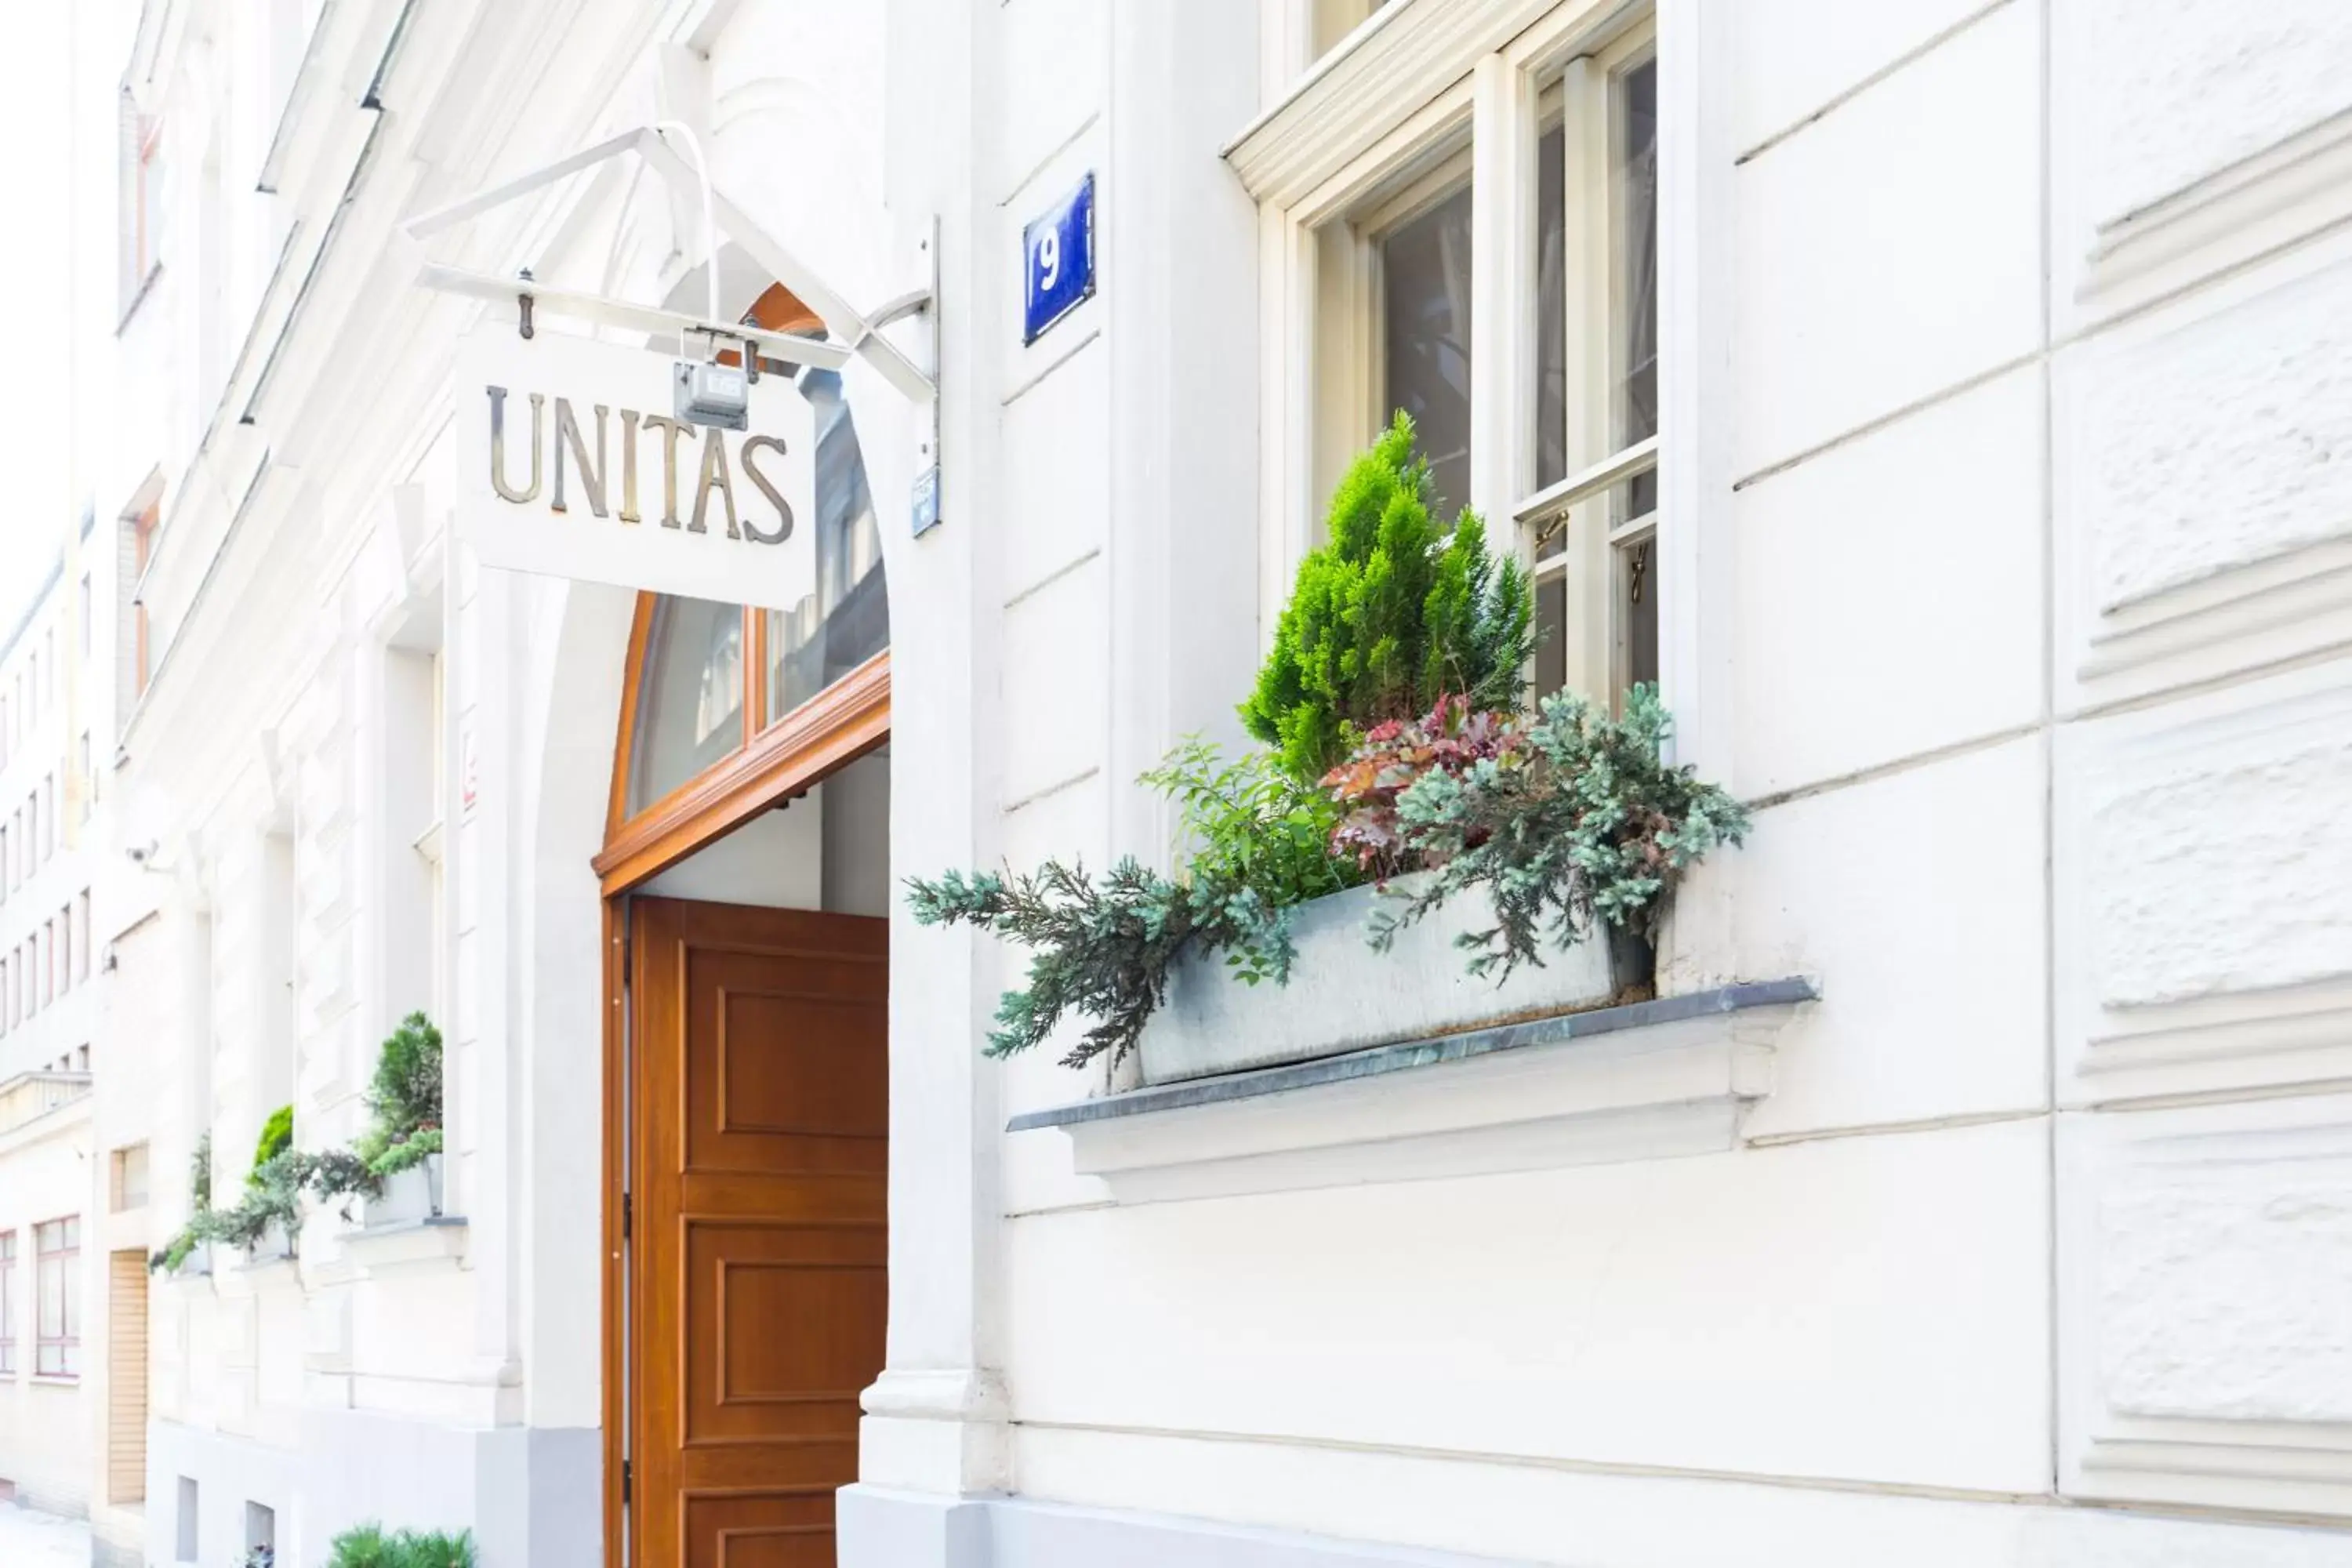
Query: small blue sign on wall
{"points": [[1059, 251]]}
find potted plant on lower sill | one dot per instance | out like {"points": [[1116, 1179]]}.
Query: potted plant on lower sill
{"points": [[402, 1149], [411, 1173], [268, 1221], [1502, 864], [188, 1255], [1539, 849]]}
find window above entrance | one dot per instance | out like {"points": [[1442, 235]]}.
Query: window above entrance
{"points": [[723, 701]]}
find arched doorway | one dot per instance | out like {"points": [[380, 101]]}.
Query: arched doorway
{"points": [[746, 875]]}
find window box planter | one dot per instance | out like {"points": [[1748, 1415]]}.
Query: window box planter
{"points": [[266, 1265], [1345, 996], [275, 1247], [410, 1197]]}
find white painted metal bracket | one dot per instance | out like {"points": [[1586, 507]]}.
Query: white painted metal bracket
{"points": [[847, 331]]}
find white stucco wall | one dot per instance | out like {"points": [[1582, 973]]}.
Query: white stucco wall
{"points": [[1954, 1274]]}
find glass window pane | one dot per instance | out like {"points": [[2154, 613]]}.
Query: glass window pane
{"points": [[1425, 276], [690, 696], [1551, 311], [847, 621], [1635, 378], [1551, 635], [1335, 19]]}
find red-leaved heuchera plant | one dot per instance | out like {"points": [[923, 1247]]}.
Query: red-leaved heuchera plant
{"points": [[1394, 756]]}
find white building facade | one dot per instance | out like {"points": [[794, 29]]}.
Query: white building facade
{"points": [[1943, 402]]}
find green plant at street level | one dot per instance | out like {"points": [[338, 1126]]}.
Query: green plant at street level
{"points": [[1564, 819], [276, 1137], [1387, 616], [371, 1546], [1104, 948]]}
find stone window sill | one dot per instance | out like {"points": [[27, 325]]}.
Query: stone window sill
{"points": [[242, 1277], [1645, 1080], [438, 1239]]}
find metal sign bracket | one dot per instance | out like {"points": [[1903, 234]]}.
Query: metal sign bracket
{"points": [[847, 331]]}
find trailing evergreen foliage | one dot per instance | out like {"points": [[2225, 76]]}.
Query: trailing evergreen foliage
{"points": [[1391, 612], [1255, 841], [198, 1230], [340, 1173], [1563, 819], [1102, 950], [404, 1129], [273, 1195]]}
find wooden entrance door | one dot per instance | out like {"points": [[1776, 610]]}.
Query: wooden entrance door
{"points": [[757, 1291]]}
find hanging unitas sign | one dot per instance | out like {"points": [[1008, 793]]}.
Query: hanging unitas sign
{"points": [[572, 464]]}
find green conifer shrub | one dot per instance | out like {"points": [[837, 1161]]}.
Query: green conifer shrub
{"points": [[276, 1137], [1390, 614], [405, 1098]]}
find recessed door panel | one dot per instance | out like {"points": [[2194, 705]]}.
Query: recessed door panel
{"points": [[758, 1275]]}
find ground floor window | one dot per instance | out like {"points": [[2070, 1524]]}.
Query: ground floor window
{"points": [[8, 1303], [58, 1247]]}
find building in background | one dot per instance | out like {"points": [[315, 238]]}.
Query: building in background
{"points": [[54, 667], [1944, 403]]}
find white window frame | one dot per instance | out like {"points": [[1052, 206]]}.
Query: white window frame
{"points": [[1597, 662], [1400, 89], [65, 1260], [1349, 373]]}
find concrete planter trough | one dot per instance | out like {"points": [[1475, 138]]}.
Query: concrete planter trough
{"points": [[274, 1247], [1345, 996], [410, 1196]]}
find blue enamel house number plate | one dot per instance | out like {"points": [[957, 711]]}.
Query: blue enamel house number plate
{"points": [[1059, 246]]}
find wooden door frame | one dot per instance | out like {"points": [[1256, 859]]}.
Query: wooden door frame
{"points": [[840, 724], [823, 735]]}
